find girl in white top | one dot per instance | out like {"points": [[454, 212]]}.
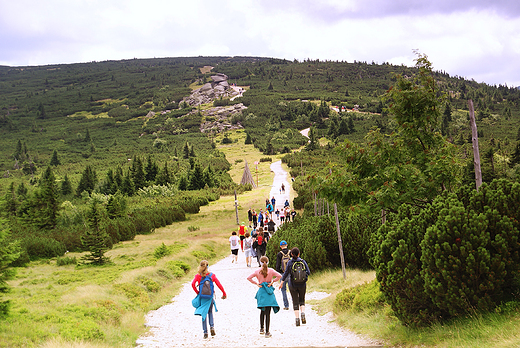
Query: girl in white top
{"points": [[247, 248], [234, 242]]}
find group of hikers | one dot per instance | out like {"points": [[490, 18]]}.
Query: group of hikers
{"points": [[291, 270], [266, 216]]}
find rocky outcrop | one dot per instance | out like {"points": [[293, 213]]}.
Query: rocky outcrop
{"points": [[218, 119], [217, 88]]}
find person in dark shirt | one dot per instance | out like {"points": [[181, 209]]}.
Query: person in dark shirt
{"points": [[282, 258]]}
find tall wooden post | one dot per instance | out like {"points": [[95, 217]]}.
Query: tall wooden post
{"points": [[236, 206], [342, 256], [474, 139]]}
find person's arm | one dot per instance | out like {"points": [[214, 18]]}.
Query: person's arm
{"points": [[216, 281], [275, 276], [254, 275], [196, 279], [307, 269]]}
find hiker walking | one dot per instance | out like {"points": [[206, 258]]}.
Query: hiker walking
{"points": [[260, 245], [234, 243], [202, 284], [265, 297], [297, 272], [242, 229], [250, 217], [255, 219], [282, 258], [271, 226], [283, 188], [248, 243]]}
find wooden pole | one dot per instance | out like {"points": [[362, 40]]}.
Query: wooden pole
{"points": [[474, 139], [342, 256], [236, 206]]}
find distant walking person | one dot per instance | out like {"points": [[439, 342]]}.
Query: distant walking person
{"points": [[282, 259], [297, 272], [202, 284], [283, 188], [242, 229], [265, 297], [260, 245], [248, 243], [250, 217], [234, 243]]}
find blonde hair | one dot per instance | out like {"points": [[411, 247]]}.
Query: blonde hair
{"points": [[264, 261], [203, 268]]}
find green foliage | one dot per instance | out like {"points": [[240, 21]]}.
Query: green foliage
{"points": [[161, 251], [365, 297], [95, 239], [9, 251], [317, 239], [178, 268], [459, 255], [66, 260]]}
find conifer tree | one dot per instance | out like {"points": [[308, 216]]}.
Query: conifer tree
{"points": [[66, 186], [127, 185], [313, 142], [196, 180], [41, 209], [11, 204], [248, 139], [138, 175], [186, 151], [95, 239], [151, 170], [21, 191], [183, 183], [87, 182], [208, 176], [9, 252], [55, 161], [164, 176]]}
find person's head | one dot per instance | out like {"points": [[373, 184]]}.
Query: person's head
{"points": [[283, 244], [246, 235], [264, 261], [260, 229], [203, 268], [233, 233], [261, 232], [295, 252]]}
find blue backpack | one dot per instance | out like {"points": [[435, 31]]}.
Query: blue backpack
{"points": [[206, 289]]}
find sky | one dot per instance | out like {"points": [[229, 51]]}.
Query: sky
{"points": [[474, 39]]}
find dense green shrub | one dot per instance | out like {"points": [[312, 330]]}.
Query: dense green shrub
{"points": [[452, 258], [317, 239], [161, 251], [66, 260], [365, 297], [38, 246]]}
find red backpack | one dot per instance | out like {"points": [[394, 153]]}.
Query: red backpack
{"points": [[259, 240]]}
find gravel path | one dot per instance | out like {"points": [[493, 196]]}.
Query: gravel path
{"points": [[237, 321]]}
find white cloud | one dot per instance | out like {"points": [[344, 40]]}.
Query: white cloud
{"points": [[479, 40]]}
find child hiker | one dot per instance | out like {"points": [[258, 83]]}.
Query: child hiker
{"points": [[265, 297], [202, 284]]}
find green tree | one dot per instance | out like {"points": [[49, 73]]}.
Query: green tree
{"points": [[55, 161], [9, 252], [116, 206], [87, 181], [248, 139], [127, 185], [138, 175], [151, 170], [196, 180], [41, 209], [95, 239], [10, 205], [183, 183], [412, 165], [66, 186], [164, 176]]}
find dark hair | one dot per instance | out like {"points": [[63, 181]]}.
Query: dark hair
{"points": [[295, 252], [233, 233]]}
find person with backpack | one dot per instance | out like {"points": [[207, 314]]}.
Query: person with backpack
{"points": [[234, 242], [260, 245], [248, 242], [271, 226], [297, 272], [265, 297], [242, 229], [203, 286], [282, 258]]}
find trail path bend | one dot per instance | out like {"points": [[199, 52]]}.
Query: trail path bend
{"points": [[237, 321]]}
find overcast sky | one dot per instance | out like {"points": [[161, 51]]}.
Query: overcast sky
{"points": [[476, 39]]}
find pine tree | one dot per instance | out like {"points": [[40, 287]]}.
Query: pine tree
{"points": [[41, 209], [138, 176], [9, 252], [11, 204], [248, 139], [151, 170], [186, 151], [183, 183], [208, 176], [116, 206], [164, 176], [95, 239], [55, 161], [21, 191], [66, 186], [127, 185], [196, 181], [87, 139], [313, 142], [87, 182]]}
